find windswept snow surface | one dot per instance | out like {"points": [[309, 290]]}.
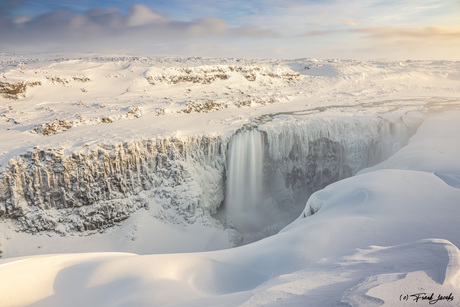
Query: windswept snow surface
{"points": [[388, 235]]}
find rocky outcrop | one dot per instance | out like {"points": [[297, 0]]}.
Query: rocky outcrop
{"points": [[47, 190]]}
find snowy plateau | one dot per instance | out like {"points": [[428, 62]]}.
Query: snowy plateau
{"points": [[153, 181]]}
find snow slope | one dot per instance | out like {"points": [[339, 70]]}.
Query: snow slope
{"points": [[384, 236]]}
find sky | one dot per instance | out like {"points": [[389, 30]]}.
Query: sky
{"points": [[328, 29]]}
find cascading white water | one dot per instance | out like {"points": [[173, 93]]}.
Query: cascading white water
{"points": [[244, 191]]}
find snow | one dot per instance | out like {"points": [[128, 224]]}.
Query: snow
{"points": [[141, 233], [379, 237], [367, 244], [90, 91]]}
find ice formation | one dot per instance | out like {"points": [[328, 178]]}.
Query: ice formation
{"points": [[45, 190]]}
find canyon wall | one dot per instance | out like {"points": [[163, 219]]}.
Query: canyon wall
{"points": [[180, 179], [44, 190]]}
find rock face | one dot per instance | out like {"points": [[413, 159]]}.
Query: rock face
{"points": [[179, 180], [85, 191], [311, 153]]}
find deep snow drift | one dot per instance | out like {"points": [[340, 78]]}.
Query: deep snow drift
{"points": [[136, 155]]}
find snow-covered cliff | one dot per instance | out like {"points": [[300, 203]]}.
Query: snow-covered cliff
{"points": [[86, 141], [181, 179], [42, 190]]}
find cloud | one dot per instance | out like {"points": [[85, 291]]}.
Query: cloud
{"points": [[395, 33], [413, 33], [390, 42], [207, 26], [141, 15], [11, 4], [350, 22], [415, 42], [252, 31], [109, 30], [257, 28]]}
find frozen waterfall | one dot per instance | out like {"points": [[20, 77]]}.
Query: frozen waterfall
{"points": [[244, 178]]}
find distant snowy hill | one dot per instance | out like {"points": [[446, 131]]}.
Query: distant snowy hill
{"points": [[336, 182]]}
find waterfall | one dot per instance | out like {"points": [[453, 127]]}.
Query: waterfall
{"points": [[272, 170], [244, 188]]}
